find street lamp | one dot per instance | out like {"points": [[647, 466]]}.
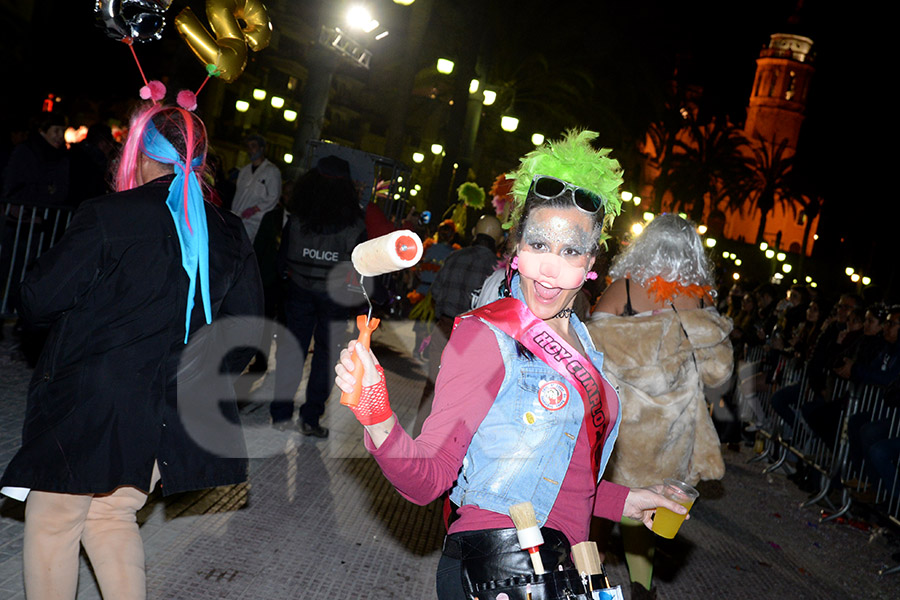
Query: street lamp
{"points": [[259, 94], [290, 115], [490, 96], [436, 148], [537, 139], [445, 66], [473, 86], [418, 157], [242, 106], [277, 102], [509, 123]]}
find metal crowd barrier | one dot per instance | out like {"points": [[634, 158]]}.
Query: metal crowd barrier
{"points": [[838, 470], [27, 232]]}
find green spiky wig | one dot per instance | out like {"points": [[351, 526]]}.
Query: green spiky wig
{"points": [[571, 159]]}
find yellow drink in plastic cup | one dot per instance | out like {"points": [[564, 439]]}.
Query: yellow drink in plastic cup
{"points": [[665, 522]]}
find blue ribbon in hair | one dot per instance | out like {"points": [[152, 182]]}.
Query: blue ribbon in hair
{"points": [[189, 214]]}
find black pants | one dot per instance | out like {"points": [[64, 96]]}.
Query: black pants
{"points": [[486, 562]]}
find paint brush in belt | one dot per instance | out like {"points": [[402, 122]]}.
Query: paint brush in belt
{"points": [[528, 532]]}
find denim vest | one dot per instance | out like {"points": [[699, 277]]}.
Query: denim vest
{"points": [[521, 451]]}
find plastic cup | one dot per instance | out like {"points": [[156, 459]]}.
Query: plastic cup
{"points": [[666, 523]]}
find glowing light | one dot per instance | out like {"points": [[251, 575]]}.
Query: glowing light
{"points": [[813, 285], [626, 196], [854, 278], [726, 254], [473, 86], [786, 267], [259, 94], [359, 17], [848, 271], [701, 229], [400, 179], [73, 136], [637, 200], [490, 97], [404, 2], [866, 280], [288, 158], [290, 115], [770, 253], [382, 35], [735, 276], [637, 228], [277, 102], [413, 192], [648, 216], [445, 66], [738, 262], [780, 257], [710, 242], [763, 246], [418, 157], [508, 123], [537, 139], [242, 106], [808, 279], [436, 148]]}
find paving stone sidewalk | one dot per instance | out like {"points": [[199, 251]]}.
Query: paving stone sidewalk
{"points": [[318, 520]]}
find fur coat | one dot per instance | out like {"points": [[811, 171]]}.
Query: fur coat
{"points": [[660, 364]]}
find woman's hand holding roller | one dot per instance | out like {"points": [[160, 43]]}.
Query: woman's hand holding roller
{"points": [[374, 410]]}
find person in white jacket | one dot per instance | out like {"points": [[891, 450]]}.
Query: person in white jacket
{"points": [[258, 187]]}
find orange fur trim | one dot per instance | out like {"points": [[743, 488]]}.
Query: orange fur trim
{"points": [[666, 291]]}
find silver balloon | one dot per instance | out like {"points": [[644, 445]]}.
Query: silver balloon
{"points": [[132, 20]]}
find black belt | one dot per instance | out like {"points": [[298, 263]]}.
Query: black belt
{"points": [[491, 561]]}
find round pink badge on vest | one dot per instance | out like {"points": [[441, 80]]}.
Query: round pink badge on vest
{"points": [[553, 395]]}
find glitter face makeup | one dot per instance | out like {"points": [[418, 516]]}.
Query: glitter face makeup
{"points": [[554, 257]]}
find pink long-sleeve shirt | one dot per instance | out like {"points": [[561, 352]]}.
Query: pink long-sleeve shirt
{"points": [[421, 470]]}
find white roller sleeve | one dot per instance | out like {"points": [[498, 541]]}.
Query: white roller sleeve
{"points": [[529, 537], [392, 252]]}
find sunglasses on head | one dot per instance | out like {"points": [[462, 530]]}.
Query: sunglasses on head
{"points": [[548, 188]]}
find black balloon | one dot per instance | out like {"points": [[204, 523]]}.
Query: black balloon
{"points": [[132, 20]]}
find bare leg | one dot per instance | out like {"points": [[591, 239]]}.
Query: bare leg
{"points": [[113, 543], [53, 527]]}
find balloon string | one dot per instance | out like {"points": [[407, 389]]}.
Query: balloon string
{"points": [[197, 93], [134, 54]]}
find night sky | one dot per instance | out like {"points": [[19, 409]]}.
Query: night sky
{"points": [[632, 48]]}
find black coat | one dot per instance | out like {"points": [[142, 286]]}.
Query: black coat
{"points": [[103, 403]]}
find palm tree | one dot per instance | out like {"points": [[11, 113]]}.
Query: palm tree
{"points": [[771, 184], [706, 161]]}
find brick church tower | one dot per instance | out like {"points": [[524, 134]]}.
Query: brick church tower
{"points": [[779, 94]]}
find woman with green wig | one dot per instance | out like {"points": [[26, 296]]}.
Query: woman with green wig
{"points": [[521, 413]]}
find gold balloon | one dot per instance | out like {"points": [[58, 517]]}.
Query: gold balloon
{"points": [[226, 46]]}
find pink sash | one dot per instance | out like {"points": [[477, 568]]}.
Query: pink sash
{"points": [[512, 317]]}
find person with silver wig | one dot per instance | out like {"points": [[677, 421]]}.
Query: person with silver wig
{"points": [[663, 341], [668, 248]]}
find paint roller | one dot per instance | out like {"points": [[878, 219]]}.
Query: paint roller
{"points": [[385, 254]]}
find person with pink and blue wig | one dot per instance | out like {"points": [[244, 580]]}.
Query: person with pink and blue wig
{"points": [[139, 298]]}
